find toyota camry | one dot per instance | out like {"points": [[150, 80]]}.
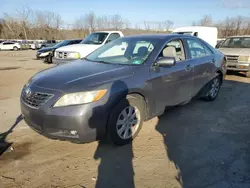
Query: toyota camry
{"points": [[112, 91]]}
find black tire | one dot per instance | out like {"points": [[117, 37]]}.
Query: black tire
{"points": [[247, 74], [115, 114], [210, 96], [49, 60], [15, 48]]}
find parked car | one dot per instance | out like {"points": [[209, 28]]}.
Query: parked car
{"points": [[237, 53], [47, 53], [118, 86], [48, 43], [88, 45], [38, 45], [208, 34], [7, 45]]}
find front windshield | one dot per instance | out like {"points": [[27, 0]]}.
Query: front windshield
{"points": [[95, 38], [62, 43], [236, 42], [128, 51]]}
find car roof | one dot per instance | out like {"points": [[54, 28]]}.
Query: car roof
{"points": [[159, 36], [111, 31], [239, 36]]}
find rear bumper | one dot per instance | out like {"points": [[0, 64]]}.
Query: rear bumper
{"points": [[241, 67]]}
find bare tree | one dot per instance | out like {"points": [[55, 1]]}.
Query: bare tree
{"points": [[23, 14], [206, 21], [147, 26], [238, 22], [117, 22], [90, 20], [168, 24], [103, 22]]}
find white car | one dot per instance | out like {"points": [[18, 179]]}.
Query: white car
{"points": [[10, 46], [89, 44]]}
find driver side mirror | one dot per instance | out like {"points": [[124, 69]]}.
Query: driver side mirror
{"points": [[166, 62]]}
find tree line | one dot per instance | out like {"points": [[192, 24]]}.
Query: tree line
{"points": [[35, 24], [230, 26]]}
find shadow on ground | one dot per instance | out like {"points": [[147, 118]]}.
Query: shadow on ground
{"points": [[4, 145], [209, 141], [116, 167]]}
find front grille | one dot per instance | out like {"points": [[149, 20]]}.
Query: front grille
{"points": [[232, 58], [36, 99], [62, 55]]}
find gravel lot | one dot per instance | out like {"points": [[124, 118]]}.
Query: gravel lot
{"points": [[198, 145]]}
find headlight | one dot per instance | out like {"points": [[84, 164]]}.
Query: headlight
{"points": [[44, 54], [244, 58], [74, 55], [28, 82], [80, 98]]}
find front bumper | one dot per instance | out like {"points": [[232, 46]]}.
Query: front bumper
{"points": [[40, 56], [240, 66], [61, 60], [79, 123]]}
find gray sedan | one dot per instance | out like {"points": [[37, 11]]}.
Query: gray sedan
{"points": [[116, 88]]}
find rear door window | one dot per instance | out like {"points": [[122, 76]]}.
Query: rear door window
{"points": [[196, 48]]}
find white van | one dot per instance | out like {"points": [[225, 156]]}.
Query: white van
{"points": [[208, 34]]}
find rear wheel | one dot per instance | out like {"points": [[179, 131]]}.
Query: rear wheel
{"points": [[15, 48], [213, 89], [126, 120]]}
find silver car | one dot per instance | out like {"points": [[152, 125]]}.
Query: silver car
{"points": [[116, 88], [237, 53]]}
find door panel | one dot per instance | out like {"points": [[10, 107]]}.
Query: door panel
{"points": [[4, 46], [202, 59], [172, 85], [202, 72]]}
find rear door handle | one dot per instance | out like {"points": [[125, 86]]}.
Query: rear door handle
{"points": [[188, 67]]}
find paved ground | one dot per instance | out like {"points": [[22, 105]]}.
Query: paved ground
{"points": [[203, 145]]}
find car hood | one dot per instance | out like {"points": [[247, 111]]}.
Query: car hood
{"points": [[80, 74], [46, 49], [235, 51], [83, 49]]}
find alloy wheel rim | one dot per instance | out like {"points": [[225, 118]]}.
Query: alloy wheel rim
{"points": [[215, 88], [128, 122]]}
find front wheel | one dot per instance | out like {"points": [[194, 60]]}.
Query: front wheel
{"points": [[126, 120], [247, 74], [213, 89], [15, 48]]}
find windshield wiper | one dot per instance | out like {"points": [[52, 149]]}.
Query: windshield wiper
{"points": [[96, 61], [103, 62]]}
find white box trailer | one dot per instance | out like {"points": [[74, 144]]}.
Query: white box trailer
{"points": [[208, 34]]}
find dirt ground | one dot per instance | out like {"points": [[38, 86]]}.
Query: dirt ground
{"points": [[201, 144]]}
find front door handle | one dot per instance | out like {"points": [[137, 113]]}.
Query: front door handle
{"points": [[188, 67]]}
